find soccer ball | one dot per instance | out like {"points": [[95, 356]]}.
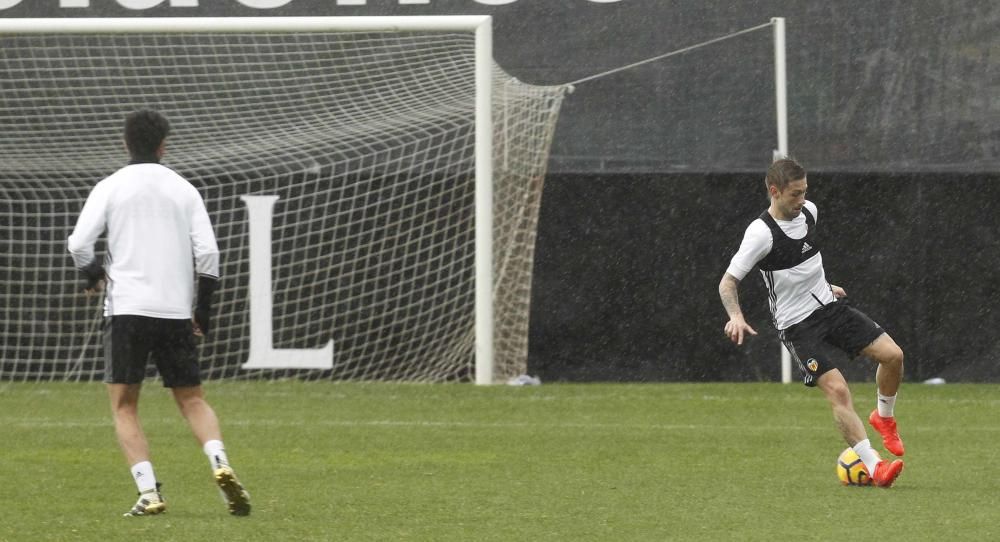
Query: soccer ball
{"points": [[851, 470]]}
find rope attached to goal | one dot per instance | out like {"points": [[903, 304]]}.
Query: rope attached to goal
{"points": [[670, 54]]}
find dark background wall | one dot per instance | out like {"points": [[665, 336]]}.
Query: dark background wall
{"points": [[627, 273], [655, 172]]}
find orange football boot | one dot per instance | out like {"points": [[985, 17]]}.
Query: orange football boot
{"points": [[887, 428], [886, 473]]}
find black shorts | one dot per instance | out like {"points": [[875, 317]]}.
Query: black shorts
{"points": [[130, 341], [835, 326]]}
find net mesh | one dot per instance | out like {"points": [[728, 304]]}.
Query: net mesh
{"points": [[368, 140]]}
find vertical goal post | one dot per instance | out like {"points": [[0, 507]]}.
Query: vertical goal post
{"points": [[781, 121], [479, 26]]}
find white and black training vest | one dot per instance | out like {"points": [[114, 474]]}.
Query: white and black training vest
{"points": [[793, 274], [786, 252]]}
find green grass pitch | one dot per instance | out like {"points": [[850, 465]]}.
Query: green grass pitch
{"points": [[328, 461]]}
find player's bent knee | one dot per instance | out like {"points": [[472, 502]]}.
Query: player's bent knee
{"points": [[892, 356], [885, 351]]}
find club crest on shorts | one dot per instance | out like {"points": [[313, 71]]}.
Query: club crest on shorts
{"points": [[812, 365]]}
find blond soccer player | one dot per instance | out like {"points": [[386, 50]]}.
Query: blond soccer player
{"points": [[813, 317]]}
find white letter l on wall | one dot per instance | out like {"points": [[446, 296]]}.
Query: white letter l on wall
{"points": [[260, 210]]}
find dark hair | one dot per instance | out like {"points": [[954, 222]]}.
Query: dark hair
{"points": [[782, 172], [145, 130]]}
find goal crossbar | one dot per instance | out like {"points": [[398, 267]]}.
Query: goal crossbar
{"points": [[132, 25]]}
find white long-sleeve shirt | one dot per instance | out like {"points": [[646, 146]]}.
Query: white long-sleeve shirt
{"points": [[159, 235]]}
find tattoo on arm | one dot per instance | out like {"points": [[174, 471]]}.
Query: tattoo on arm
{"points": [[728, 292]]}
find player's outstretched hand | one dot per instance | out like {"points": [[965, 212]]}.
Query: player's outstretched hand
{"points": [[838, 292], [737, 329]]}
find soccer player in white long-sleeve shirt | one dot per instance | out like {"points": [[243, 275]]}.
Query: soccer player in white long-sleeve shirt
{"points": [[812, 316], [158, 235]]}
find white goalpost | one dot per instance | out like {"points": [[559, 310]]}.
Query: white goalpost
{"points": [[400, 168], [781, 121]]}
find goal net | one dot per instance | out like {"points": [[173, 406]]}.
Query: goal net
{"points": [[366, 137]]}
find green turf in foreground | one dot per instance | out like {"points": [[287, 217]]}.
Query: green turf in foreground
{"points": [[330, 461]]}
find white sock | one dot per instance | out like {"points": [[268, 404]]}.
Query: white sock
{"points": [[868, 455], [885, 405], [142, 473], [216, 453]]}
